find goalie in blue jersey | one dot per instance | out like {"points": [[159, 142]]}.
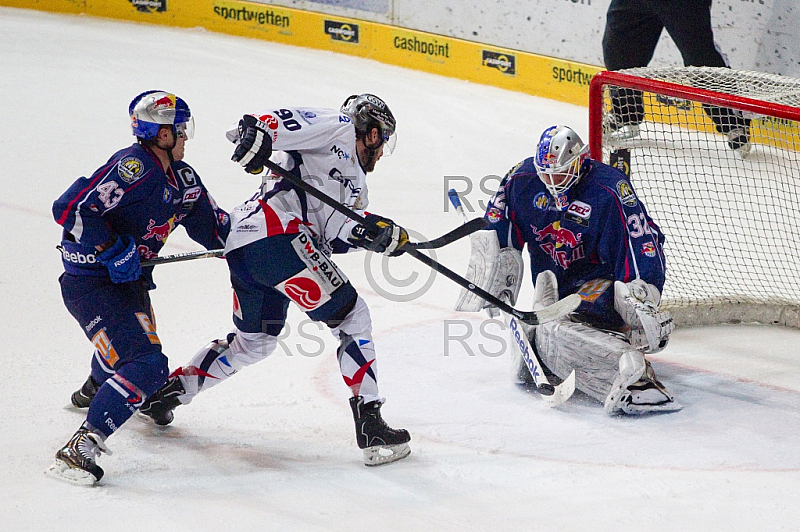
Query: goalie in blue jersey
{"points": [[587, 233]]}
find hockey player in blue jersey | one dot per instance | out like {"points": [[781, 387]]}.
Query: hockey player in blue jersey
{"points": [[279, 252], [588, 233], [123, 213]]}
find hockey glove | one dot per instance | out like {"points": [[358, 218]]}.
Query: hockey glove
{"points": [[122, 260], [637, 302], [379, 234], [254, 146]]}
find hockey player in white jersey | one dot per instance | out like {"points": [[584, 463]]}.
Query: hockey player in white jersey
{"points": [[587, 233], [279, 251]]}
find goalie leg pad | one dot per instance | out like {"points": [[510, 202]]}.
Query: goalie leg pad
{"points": [[496, 270], [602, 363], [545, 294]]}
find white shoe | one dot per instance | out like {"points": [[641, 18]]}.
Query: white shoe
{"points": [[617, 131], [739, 141]]}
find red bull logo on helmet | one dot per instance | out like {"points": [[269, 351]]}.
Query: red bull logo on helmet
{"points": [[563, 245], [165, 102]]}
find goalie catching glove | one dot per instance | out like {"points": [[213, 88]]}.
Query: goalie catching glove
{"points": [[637, 302], [379, 234], [254, 146]]}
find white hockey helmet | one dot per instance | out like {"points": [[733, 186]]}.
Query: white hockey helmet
{"points": [[558, 160], [152, 109]]}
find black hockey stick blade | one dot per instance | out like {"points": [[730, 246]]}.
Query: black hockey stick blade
{"points": [[459, 232], [533, 317], [180, 257]]}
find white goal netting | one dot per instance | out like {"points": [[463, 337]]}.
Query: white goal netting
{"points": [[715, 155]]}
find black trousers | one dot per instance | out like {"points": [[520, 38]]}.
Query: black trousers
{"points": [[633, 29]]}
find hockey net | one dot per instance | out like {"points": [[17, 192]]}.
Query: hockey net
{"points": [[730, 210]]}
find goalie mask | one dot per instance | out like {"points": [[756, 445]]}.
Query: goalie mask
{"points": [[558, 160], [152, 109], [367, 111]]}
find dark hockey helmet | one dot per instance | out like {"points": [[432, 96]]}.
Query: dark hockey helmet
{"points": [[367, 111], [152, 109]]}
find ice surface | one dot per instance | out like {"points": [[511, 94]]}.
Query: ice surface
{"points": [[273, 448]]}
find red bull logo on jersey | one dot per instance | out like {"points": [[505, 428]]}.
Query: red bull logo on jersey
{"points": [[161, 231], [563, 246], [649, 249], [561, 236]]}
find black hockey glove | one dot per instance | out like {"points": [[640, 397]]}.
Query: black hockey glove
{"points": [[255, 144], [379, 234]]}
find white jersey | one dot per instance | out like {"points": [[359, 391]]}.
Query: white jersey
{"points": [[318, 145]]}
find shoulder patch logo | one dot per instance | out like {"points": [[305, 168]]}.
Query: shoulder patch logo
{"points": [[130, 169], [541, 201], [626, 194]]}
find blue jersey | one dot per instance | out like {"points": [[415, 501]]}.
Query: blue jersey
{"points": [[132, 195], [604, 235]]}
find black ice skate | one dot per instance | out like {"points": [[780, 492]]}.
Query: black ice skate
{"points": [[381, 443], [159, 406], [83, 397], [75, 462]]}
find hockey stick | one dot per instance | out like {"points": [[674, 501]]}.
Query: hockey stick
{"points": [[552, 395], [448, 238], [554, 311], [180, 257]]}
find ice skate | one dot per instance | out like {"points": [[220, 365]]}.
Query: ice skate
{"points": [[646, 395], [381, 443], [83, 397], [160, 406], [75, 462]]}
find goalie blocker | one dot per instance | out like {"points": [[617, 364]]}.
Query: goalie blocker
{"points": [[609, 366]]}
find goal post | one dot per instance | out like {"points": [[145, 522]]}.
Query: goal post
{"points": [[715, 155]]}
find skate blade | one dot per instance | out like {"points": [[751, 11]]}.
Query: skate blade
{"points": [[385, 454], [663, 408], [61, 471], [147, 420]]}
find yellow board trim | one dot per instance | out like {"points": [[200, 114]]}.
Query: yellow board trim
{"points": [[514, 70]]}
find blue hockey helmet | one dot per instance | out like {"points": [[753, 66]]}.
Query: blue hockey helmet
{"points": [[558, 160], [367, 111], [152, 109]]}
